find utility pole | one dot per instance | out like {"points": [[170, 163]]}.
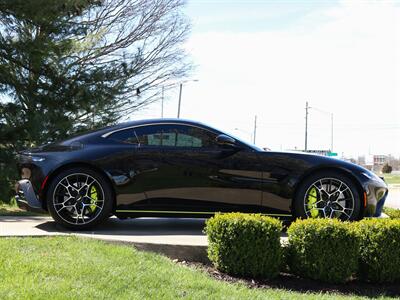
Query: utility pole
{"points": [[162, 102], [255, 129], [180, 97], [306, 136]]}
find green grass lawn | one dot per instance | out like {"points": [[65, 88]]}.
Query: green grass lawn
{"points": [[75, 268], [391, 178]]}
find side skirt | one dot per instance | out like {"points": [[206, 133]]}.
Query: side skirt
{"points": [[180, 214]]}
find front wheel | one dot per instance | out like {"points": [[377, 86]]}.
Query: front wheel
{"points": [[328, 195], [79, 198]]}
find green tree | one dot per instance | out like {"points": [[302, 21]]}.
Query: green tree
{"points": [[387, 169], [66, 66]]}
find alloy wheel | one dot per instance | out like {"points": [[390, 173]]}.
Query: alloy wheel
{"points": [[329, 198], [78, 198]]}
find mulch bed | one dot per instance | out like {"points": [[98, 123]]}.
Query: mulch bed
{"points": [[295, 283]]}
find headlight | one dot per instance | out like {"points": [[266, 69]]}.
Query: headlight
{"points": [[37, 158]]}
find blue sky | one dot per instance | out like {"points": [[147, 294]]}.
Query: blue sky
{"points": [[250, 16], [267, 58]]}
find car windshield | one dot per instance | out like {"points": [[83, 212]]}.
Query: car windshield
{"points": [[252, 146]]}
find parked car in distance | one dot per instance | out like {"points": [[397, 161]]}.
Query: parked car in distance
{"points": [[182, 168]]}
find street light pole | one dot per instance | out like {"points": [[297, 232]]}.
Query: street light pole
{"points": [[180, 98], [180, 94]]}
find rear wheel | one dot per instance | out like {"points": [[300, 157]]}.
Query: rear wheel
{"points": [[328, 194], [79, 198]]}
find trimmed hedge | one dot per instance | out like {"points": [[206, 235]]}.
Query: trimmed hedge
{"points": [[379, 249], [245, 244], [392, 212], [322, 249]]}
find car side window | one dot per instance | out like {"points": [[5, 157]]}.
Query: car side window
{"points": [[126, 136], [175, 136]]}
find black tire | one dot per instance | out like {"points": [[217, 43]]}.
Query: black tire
{"points": [[304, 209], [89, 216]]}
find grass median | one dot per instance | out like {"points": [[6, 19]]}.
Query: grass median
{"points": [[72, 268], [391, 178]]}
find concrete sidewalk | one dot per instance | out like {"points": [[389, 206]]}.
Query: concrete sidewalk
{"points": [[172, 231]]}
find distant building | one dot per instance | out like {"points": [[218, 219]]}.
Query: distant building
{"points": [[361, 160], [374, 162], [380, 160]]}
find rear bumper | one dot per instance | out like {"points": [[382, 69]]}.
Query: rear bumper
{"points": [[26, 197]]}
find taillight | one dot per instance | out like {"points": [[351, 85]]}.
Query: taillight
{"points": [[43, 183]]}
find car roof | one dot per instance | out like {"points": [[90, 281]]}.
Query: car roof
{"points": [[109, 129], [156, 121], [103, 132]]}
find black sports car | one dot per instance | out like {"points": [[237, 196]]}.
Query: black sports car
{"points": [[181, 168]]}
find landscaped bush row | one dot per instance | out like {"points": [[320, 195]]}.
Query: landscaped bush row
{"points": [[379, 256], [320, 249], [392, 212], [245, 245]]}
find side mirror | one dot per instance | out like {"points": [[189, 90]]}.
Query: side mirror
{"points": [[226, 141]]}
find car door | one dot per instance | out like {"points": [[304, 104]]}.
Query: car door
{"points": [[189, 172], [125, 165]]}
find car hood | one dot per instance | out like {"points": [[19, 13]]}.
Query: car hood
{"points": [[314, 160]]}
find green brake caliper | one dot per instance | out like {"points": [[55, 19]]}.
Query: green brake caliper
{"points": [[93, 198], [311, 202]]}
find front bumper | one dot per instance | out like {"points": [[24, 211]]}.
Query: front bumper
{"points": [[376, 191], [26, 197]]}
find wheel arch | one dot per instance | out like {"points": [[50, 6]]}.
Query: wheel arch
{"points": [[72, 165], [337, 169]]}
